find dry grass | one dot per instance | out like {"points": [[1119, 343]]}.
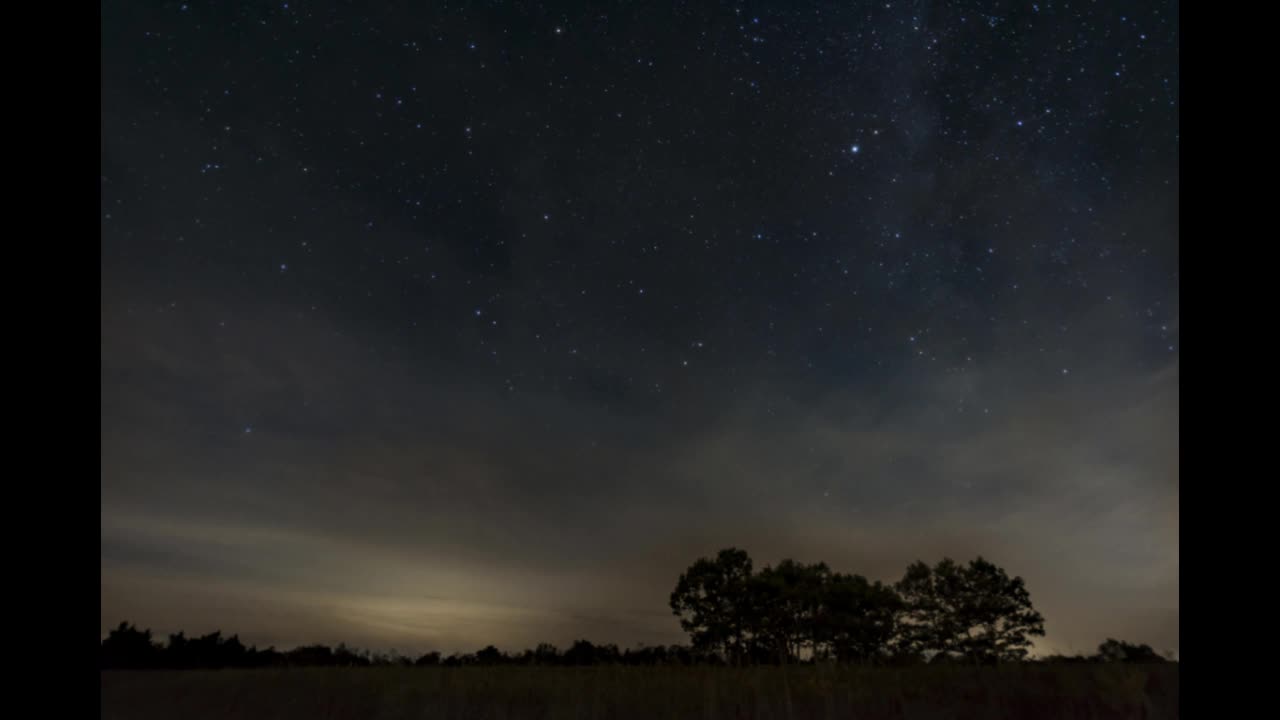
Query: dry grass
{"points": [[529, 693]]}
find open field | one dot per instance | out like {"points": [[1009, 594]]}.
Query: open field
{"points": [[1092, 691]]}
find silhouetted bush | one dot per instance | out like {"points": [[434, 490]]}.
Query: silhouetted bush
{"points": [[127, 647], [1117, 651]]}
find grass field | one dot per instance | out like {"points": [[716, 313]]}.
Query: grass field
{"points": [[497, 693]]}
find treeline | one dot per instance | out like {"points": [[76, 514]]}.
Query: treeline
{"points": [[735, 615], [127, 647], [1112, 651]]}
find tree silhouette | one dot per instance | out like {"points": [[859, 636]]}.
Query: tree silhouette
{"points": [[976, 612], [1060, 659], [859, 618], [127, 647], [786, 602], [427, 659], [489, 655], [1118, 651], [310, 655], [546, 654], [711, 599]]}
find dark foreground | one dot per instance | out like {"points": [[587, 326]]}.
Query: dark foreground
{"points": [[1029, 691]]}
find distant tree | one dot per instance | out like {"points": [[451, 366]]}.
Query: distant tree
{"points": [[231, 653], [581, 652], [1058, 659], [546, 654], [656, 655], [392, 658], [489, 655], [976, 612], [428, 659], [266, 658], [712, 601], [178, 653], [1117, 651], [926, 626], [128, 648], [344, 656], [310, 656], [681, 655], [584, 652], [785, 604], [399, 659], [859, 618], [608, 654]]}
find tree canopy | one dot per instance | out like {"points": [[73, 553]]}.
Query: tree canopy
{"points": [[793, 610], [975, 612]]}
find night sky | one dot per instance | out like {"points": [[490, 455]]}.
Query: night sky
{"points": [[431, 325]]}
